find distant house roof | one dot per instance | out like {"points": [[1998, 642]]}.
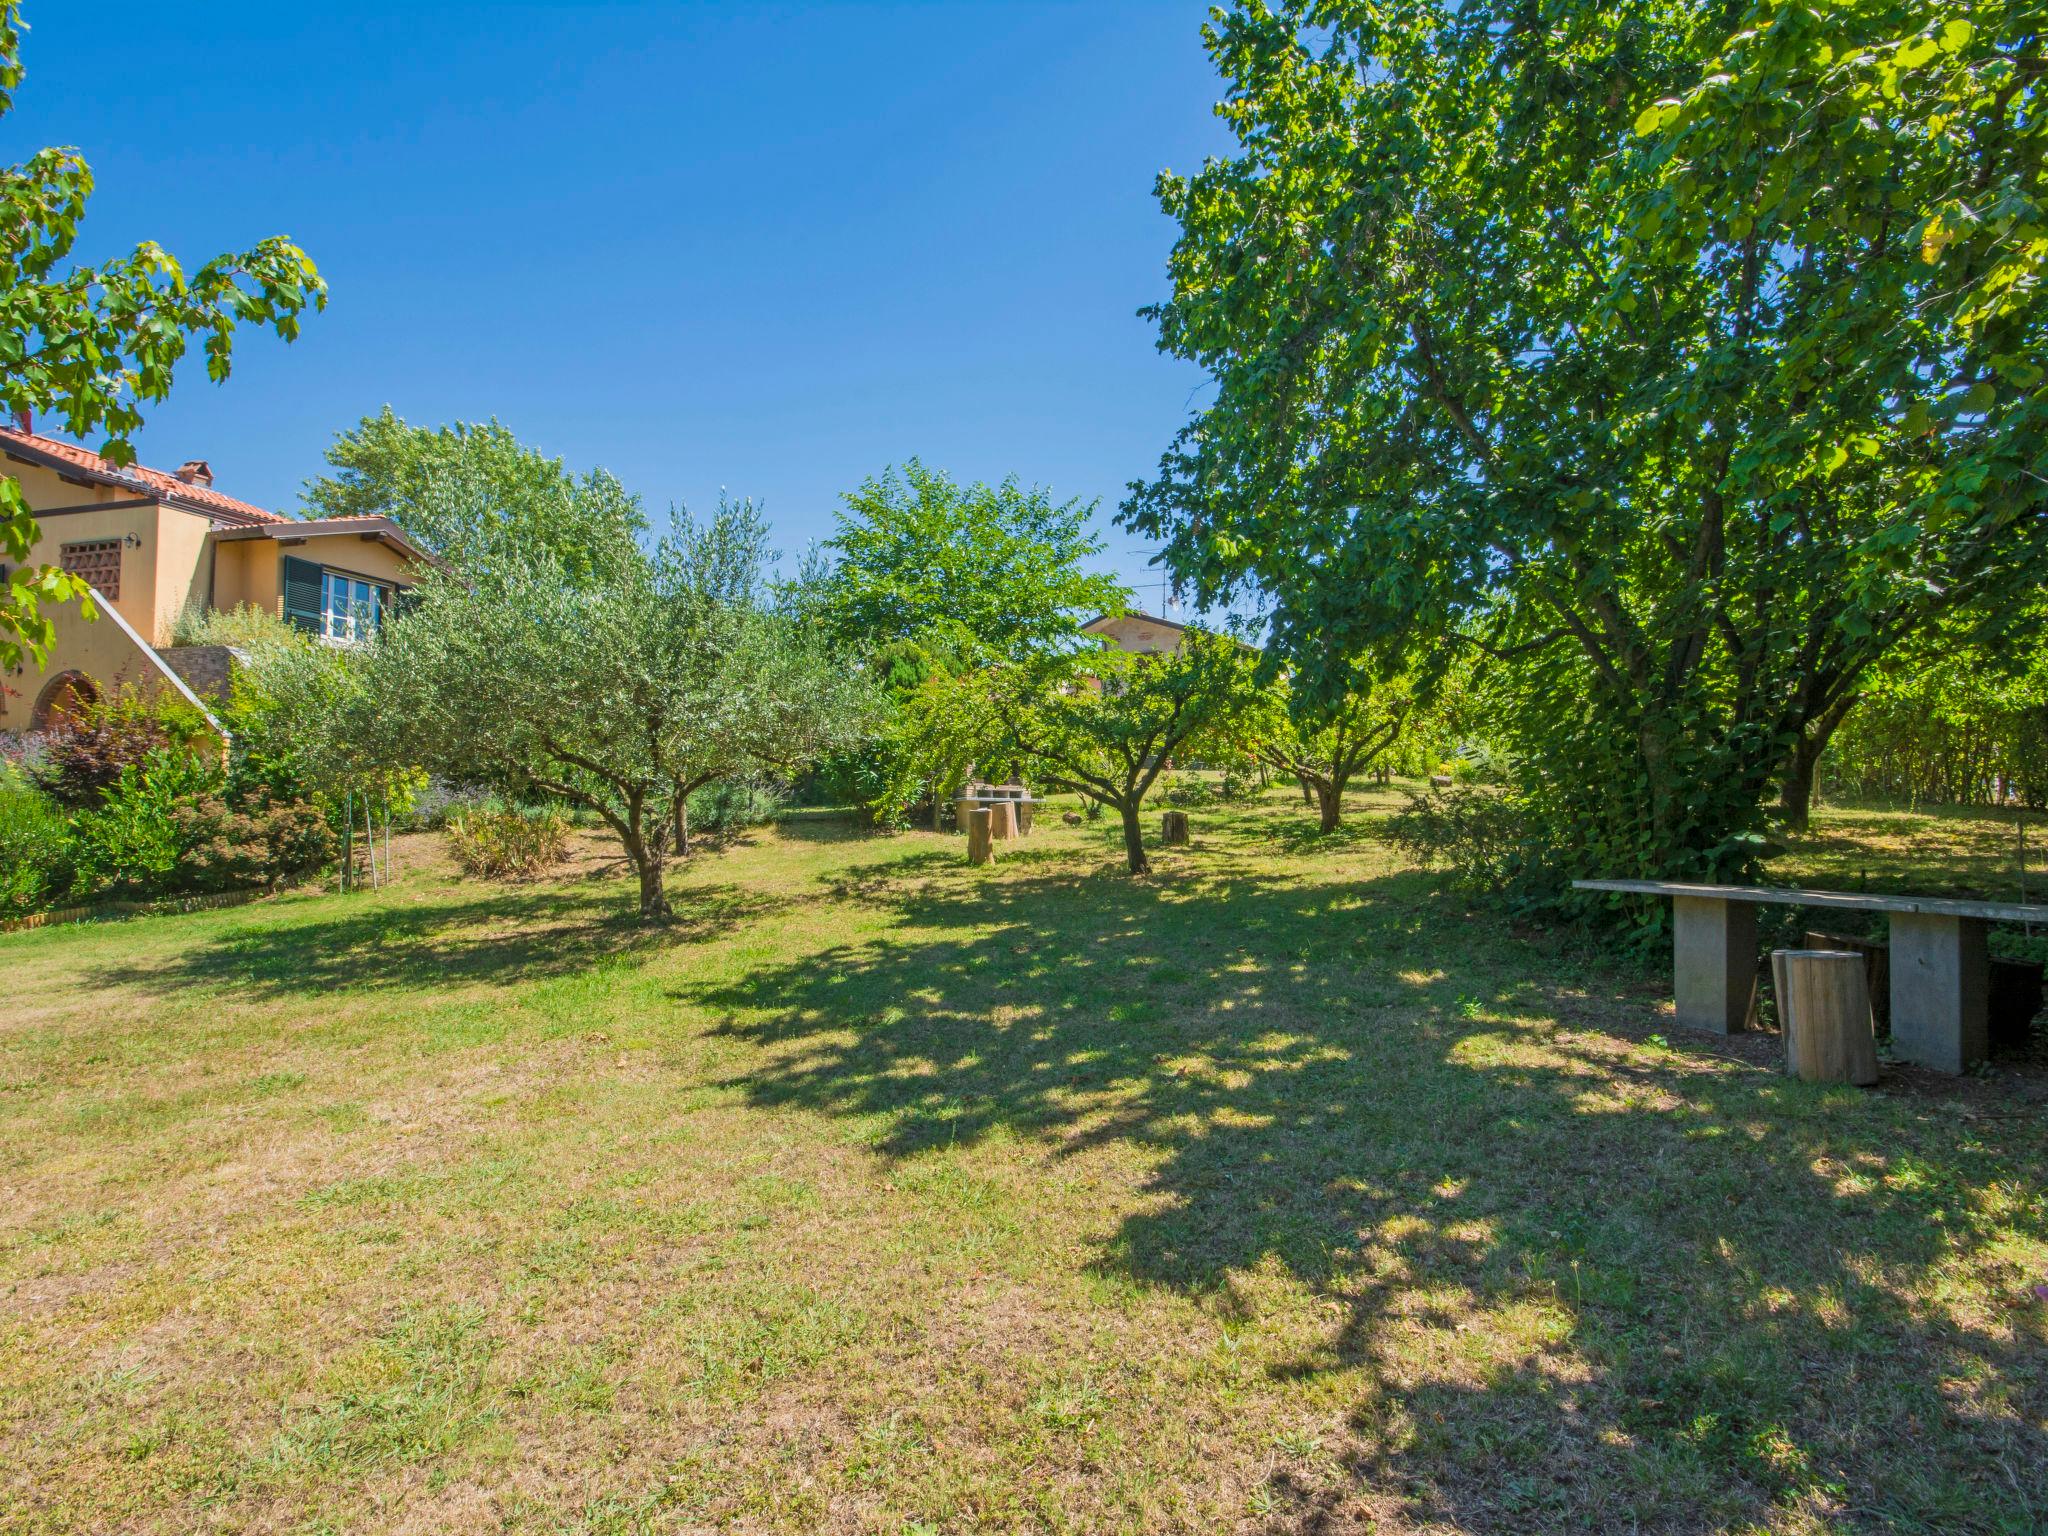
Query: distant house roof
{"points": [[1101, 622], [83, 464]]}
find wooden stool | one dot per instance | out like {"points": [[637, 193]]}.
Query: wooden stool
{"points": [[1824, 1010], [980, 846]]}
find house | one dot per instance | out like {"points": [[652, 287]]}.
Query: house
{"points": [[153, 545], [1142, 634]]}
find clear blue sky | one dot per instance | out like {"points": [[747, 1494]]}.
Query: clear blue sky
{"points": [[766, 247]]}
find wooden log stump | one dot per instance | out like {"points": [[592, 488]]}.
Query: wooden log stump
{"points": [[1025, 812], [1003, 821], [980, 845], [1877, 970], [1824, 1010], [1173, 828]]}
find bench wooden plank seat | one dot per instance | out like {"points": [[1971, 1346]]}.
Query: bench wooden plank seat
{"points": [[1940, 967], [1852, 901]]}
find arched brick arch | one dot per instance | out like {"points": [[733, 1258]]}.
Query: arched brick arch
{"points": [[63, 698]]}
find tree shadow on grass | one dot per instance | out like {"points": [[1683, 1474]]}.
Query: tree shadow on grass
{"points": [[1581, 1284], [509, 938]]}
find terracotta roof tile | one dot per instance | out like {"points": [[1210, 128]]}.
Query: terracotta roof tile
{"points": [[152, 482]]}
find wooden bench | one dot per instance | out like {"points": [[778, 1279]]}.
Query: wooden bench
{"points": [[1940, 969]]}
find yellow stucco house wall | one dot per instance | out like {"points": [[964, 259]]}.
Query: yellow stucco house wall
{"points": [[1143, 634], [155, 543]]}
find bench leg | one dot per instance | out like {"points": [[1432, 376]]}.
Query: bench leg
{"points": [[1713, 955], [1941, 984]]}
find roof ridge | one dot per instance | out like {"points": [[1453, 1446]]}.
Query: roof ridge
{"points": [[139, 476]]}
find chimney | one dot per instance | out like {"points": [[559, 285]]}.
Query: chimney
{"points": [[25, 419], [196, 472]]}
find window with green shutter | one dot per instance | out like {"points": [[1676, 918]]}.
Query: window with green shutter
{"points": [[302, 594]]}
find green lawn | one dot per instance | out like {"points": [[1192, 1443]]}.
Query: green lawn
{"points": [[1275, 1192]]}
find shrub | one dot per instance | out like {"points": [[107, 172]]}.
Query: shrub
{"points": [[722, 808], [439, 802], [225, 848], [37, 851], [245, 627], [83, 760], [1240, 782], [1488, 839], [133, 842], [508, 844]]}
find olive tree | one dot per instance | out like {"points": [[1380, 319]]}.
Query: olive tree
{"points": [[620, 688]]}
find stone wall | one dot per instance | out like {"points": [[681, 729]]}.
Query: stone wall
{"points": [[205, 668]]}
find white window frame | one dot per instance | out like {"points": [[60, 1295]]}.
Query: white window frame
{"points": [[351, 607]]}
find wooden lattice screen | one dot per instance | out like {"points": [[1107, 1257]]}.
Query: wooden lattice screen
{"points": [[98, 561]]}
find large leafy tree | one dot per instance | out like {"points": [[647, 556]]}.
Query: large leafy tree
{"points": [[931, 581], [472, 492], [92, 345], [1689, 357], [992, 572]]}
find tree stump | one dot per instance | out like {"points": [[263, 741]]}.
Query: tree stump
{"points": [[1173, 828], [980, 846], [1824, 1009], [1024, 817], [1877, 970], [1003, 821]]}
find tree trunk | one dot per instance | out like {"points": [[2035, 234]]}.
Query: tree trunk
{"points": [[1329, 804], [1134, 839], [648, 862], [1308, 790], [1795, 792], [682, 815]]}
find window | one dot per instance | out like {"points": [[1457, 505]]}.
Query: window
{"points": [[97, 560], [334, 605], [350, 606]]}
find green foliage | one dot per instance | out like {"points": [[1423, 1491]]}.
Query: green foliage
{"points": [[92, 344], [972, 574], [1489, 841], [84, 758], [623, 689], [37, 852], [1324, 741], [508, 844], [474, 493], [1686, 357], [132, 842], [1948, 722], [1111, 736], [732, 806], [245, 627]]}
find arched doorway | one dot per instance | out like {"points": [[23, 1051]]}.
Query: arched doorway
{"points": [[63, 701]]}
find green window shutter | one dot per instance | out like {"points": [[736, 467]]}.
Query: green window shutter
{"points": [[302, 594]]}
